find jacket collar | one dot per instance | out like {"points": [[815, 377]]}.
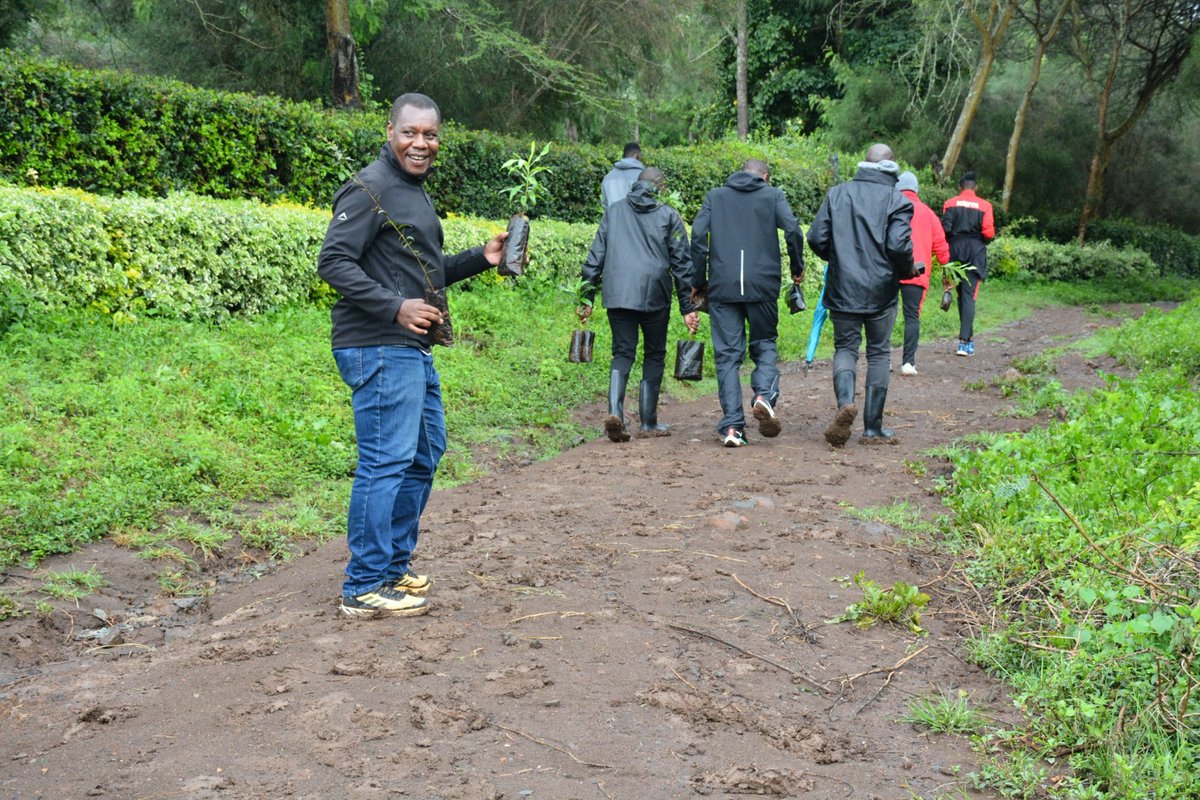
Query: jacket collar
{"points": [[875, 176], [386, 154]]}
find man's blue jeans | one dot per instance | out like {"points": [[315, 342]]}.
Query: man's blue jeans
{"points": [[401, 431]]}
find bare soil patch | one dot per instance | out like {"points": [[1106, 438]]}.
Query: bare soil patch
{"points": [[638, 620]]}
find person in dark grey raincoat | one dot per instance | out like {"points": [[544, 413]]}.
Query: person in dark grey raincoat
{"points": [[864, 230], [735, 253], [640, 247], [622, 176]]}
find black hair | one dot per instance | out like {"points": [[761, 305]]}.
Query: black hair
{"points": [[416, 100], [632, 149]]}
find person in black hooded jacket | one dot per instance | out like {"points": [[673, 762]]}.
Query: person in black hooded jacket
{"points": [[640, 246], [864, 230], [736, 263], [383, 254]]}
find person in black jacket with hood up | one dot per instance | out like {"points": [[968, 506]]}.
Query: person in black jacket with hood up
{"points": [[864, 230], [640, 246], [736, 261], [383, 254]]}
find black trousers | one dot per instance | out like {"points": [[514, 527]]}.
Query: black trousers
{"points": [[968, 293], [913, 297], [625, 324]]}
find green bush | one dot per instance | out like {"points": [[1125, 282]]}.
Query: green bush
{"points": [[1034, 258], [1173, 251], [192, 257], [1085, 534], [114, 133]]}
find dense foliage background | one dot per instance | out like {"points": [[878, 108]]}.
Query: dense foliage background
{"points": [[603, 72]]}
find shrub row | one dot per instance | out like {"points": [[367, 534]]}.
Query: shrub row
{"points": [[115, 133], [1042, 260], [1173, 251], [191, 257]]}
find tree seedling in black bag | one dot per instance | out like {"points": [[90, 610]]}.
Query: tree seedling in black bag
{"points": [[955, 272], [525, 192]]}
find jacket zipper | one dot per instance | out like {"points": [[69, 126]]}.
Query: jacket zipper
{"points": [[742, 270]]}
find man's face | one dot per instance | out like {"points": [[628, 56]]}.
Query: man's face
{"points": [[414, 139]]}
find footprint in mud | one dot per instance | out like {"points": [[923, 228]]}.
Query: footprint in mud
{"points": [[753, 779]]}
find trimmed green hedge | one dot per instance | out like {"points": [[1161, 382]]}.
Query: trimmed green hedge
{"points": [[1039, 259], [1173, 251], [191, 257], [114, 133]]}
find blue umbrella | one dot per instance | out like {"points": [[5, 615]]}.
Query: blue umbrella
{"points": [[818, 322]]}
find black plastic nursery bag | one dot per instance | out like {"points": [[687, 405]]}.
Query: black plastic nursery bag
{"points": [[689, 360]]}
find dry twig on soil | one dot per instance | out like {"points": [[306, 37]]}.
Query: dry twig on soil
{"points": [[794, 673], [552, 746]]}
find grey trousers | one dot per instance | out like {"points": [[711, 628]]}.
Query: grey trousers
{"points": [[847, 336], [729, 322]]}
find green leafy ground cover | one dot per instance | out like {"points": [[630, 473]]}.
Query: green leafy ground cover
{"points": [[1085, 535], [119, 429]]}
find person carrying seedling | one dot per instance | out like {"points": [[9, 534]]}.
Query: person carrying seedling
{"points": [[640, 247], [383, 254], [969, 226], [928, 240], [735, 252], [864, 230]]}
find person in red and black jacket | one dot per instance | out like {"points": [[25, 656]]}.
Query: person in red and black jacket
{"points": [[969, 226], [928, 240]]}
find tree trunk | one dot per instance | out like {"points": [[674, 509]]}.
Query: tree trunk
{"points": [[1095, 185], [991, 33], [343, 55], [1035, 73], [742, 78]]}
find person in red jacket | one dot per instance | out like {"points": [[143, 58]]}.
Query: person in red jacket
{"points": [[928, 240], [968, 224]]}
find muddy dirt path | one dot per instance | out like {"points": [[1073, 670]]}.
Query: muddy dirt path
{"points": [[644, 620]]}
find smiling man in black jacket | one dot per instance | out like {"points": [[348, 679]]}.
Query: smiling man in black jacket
{"points": [[383, 254], [736, 260]]}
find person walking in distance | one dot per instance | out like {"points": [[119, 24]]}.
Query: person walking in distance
{"points": [[928, 240], [640, 246], [382, 253], [737, 264], [968, 224], [864, 230], [620, 179]]}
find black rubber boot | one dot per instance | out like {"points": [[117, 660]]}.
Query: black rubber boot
{"points": [[838, 432], [873, 430], [648, 411], [614, 423]]}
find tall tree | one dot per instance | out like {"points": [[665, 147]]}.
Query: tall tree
{"points": [[343, 55], [1044, 32], [991, 20], [1129, 50], [743, 71]]}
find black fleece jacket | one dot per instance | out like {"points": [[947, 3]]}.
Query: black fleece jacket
{"points": [[384, 246], [735, 249]]}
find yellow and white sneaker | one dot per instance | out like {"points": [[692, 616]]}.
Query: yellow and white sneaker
{"points": [[412, 583], [384, 602]]}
